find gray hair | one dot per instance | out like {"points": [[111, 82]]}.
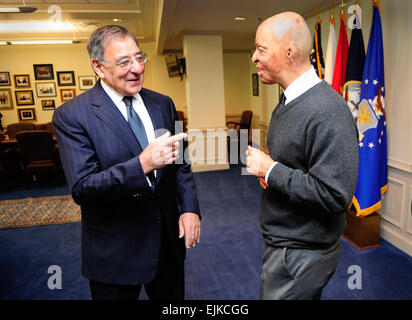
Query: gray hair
{"points": [[96, 43]]}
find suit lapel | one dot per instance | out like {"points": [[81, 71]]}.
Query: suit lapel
{"points": [[154, 111], [107, 111], [155, 114]]}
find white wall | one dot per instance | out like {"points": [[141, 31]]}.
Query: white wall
{"points": [[157, 77], [238, 83]]}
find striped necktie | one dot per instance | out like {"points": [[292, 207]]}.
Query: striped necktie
{"points": [[135, 123]]}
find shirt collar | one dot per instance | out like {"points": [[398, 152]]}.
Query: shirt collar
{"points": [[302, 84], [116, 97]]}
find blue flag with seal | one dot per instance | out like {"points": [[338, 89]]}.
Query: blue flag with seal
{"points": [[373, 170], [355, 65]]}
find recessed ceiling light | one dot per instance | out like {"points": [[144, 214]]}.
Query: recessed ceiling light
{"points": [[43, 41], [117, 20], [18, 10], [239, 18], [35, 26]]}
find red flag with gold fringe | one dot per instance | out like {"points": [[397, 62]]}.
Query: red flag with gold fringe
{"points": [[341, 57]]}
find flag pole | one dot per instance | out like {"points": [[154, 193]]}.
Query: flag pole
{"points": [[342, 9], [318, 22]]}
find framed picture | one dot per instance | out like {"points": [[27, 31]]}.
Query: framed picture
{"points": [[24, 98], [45, 89], [86, 82], [67, 94], [43, 71], [255, 84], [28, 114], [21, 80], [65, 78], [48, 104], [6, 101], [5, 79]]}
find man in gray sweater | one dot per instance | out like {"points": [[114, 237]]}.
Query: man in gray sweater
{"points": [[310, 174]]}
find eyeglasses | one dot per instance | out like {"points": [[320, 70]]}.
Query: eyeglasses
{"points": [[127, 62]]}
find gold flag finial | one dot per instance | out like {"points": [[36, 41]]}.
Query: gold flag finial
{"points": [[332, 13], [342, 7], [376, 3]]}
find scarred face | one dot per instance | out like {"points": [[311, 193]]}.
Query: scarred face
{"points": [[270, 55]]}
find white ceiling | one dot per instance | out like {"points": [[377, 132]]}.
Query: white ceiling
{"points": [[173, 18]]}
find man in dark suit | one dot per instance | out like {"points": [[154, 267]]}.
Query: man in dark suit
{"points": [[137, 204]]}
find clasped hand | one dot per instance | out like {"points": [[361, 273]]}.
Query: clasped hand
{"points": [[257, 164]]}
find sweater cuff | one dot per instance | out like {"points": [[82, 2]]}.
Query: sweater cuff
{"points": [[268, 172]]}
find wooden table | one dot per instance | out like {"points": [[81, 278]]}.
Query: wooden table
{"points": [[13, 142]]}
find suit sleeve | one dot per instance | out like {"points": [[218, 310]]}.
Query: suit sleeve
{"points": [[186, 188], [329, 182], [86, 179]]}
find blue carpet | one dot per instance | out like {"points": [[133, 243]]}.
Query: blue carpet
{"points": [[226, 265]]}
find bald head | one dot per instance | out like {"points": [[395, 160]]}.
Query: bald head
{"points": [[283, 47], [290, 29]]}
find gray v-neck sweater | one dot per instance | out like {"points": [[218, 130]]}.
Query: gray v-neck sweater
{"points": [[314, 139]]}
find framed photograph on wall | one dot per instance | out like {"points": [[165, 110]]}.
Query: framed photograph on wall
{"points": [[48, 104], [67, 94], [6, 100], [65, 78], [86, 82], [5, 79], [45, 89], [43, 71], [24, 98], [28, 114], [255, 84], [22, 80]]}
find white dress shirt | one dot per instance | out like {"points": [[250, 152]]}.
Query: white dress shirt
{"points": [[298, 87], [138, 106]]}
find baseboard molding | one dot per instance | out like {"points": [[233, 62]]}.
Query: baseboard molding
{"points": [[400, 165], [396, 238]]}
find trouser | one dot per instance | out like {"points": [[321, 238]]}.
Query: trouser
{"points": [[168, 283], [291, 274]]}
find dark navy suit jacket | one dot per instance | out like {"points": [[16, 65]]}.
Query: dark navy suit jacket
{"points": [[121, 214]]}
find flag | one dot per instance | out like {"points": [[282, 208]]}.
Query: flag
{"points": [[354, 69], [330, 52], [373, 170], [317, 53], [341, 58]]}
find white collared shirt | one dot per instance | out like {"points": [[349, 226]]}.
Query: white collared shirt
{"points": [[302, 84], [298, 87], [138, 106]]}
